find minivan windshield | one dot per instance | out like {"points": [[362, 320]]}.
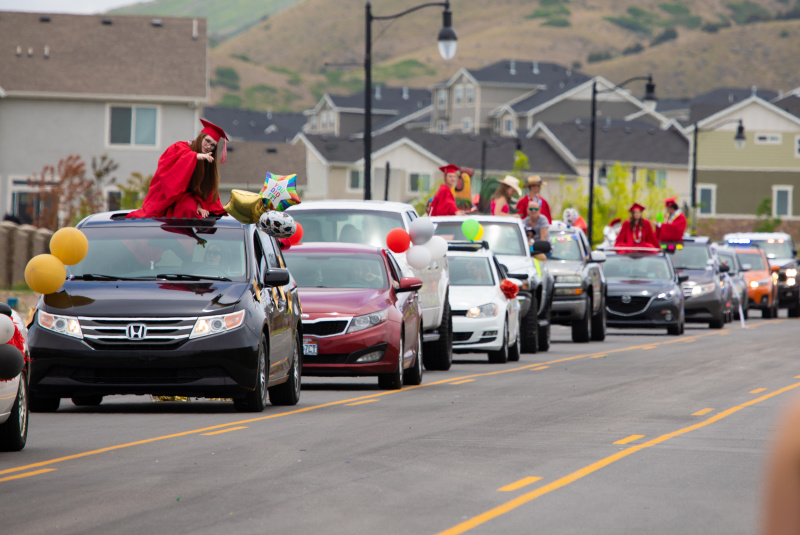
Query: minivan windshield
{"points": [[137, 252], [503, 238], [367, 227]]}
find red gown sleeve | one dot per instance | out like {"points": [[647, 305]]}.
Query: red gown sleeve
{"points": [[522, 206], [673, 231], [171, 179], [624, 237], [443, 202], [648, 236]]}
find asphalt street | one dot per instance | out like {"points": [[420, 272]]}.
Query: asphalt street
{"points": [[641, 433]]}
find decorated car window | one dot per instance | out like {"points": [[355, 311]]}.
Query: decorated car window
{"points": [[348, 226], [326, 270], [565, 247], [470, 271], [653, 268], [503, 238]]}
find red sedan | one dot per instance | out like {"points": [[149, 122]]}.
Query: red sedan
{"points": [[360, 315]]}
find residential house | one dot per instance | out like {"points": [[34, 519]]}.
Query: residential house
{"points": [[88, 85], [248, 125]]}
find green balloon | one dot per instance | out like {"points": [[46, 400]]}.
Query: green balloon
{"points": [[660, 217], [470, 229]]}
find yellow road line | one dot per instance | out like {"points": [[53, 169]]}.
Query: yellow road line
{"points": [[757, 390], [29, 474], [519, 484], [601, 356], [539, 368], [629, 439], [362, 402], [602, 463], [225, 430], [462, 382], [702, 412]]}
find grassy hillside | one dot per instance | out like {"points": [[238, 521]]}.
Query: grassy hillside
{"points": [[689, 46]]}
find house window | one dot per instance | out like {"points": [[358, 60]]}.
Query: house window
{"points": [[458, 95], [782, 201], [442, 98], [132, 125], [441, 127], [113, 200], [313, 123], [797, 146], [419, 182], [508, 125], [356, 182], [661, 179], [466, 124], [768, 139], [707, 198], [470, 94]]}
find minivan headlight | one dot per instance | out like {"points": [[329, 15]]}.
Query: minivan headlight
{"points": [[359, 323], [208, 325], [67, 325]]}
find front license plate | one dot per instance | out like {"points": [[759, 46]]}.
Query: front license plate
{"points": [[309, 347]]}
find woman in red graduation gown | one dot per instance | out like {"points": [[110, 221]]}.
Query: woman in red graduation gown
{"points": [[186, 182], [637, 231], [444, 202]]}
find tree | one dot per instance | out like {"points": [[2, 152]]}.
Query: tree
{"points": [[766, 223], [134, 191]]}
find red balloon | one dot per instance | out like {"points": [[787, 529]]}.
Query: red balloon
{"points": [[398, 240], [295, 238]]}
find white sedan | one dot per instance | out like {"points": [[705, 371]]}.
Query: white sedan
{"points": [[14, 400], [484, 318]]}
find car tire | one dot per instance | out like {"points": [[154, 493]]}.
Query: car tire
{"points": [[256, 400], [413, 375], [717, 323], [793, 312], [599, 324], [514, 350], [677, 329], [14, 431], [544, 330], [581, 329], [38, 404], [394, 380], [438, 355], [87, 401], [529, 328], [288, 393], [501, 355]]}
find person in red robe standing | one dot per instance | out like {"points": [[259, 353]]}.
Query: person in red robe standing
{"points": [[672, 229], [186, 182], [534, 184], [444, 202], [637, 231]]}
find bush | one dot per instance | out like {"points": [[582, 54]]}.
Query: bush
{"points": [[675, 10], [556, 23], [748, 12], [629, 23], [667, 35], [634, 49], [226, 77], [548, 12], [229, 100], [596, 57], [714, 27]]}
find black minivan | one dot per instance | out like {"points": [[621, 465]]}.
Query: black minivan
{"points": [[186, 307]]}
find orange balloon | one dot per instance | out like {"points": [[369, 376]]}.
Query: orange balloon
{"points": [[45, 274], [69, 245], [298, 234]]}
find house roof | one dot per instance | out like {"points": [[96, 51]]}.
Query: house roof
{"points": [[404, 100], [623, 141], [532, 73], [790, 103], [246, 125], [708, 104], [249, 161], [93, 55], [463, 149]]}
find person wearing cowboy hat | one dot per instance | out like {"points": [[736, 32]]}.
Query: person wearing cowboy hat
{"points": [[674, 226], [501, 200], [444, 202], [534, 184], [637, 231]]}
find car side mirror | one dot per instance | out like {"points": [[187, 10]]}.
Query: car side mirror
{"points": [[409, 284], [597, 256], [775, 269], [276, 277], [519, 276], [746, 267], [724, 268], [683, 278]]}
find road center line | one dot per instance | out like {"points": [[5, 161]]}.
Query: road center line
{"points": [[702, 412], [602, 463], [29, 474], [362, 402], [629, 439], [462, 382], [519, 484], [225, 430]]}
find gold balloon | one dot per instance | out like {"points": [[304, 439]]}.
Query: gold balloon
{"points": [[480, 233], [45, 273], [69, 245]]}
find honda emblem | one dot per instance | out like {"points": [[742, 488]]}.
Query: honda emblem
{"points": [[626, 299], [136, 331]]}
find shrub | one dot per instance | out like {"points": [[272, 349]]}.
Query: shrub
{"points": [[629, 23], [548, 12], [229, 100], [596, 57], [675, 10], [667, 35], [747, 12], [226, 77], [634, 49], [243, 57], [557, 22]]}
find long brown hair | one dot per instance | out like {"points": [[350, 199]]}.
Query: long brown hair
{"points": [[205, 178], [503, 190]]}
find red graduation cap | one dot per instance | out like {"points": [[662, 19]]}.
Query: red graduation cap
{"points": [[449, 168], [216, 133], [671, 201], [636, 206]]}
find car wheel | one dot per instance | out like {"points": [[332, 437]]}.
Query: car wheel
{"points": [[794, 312], [515, 349], [501, 355], [413, 375], [394, 380], [87, 401], [581, 329], [544, 330], [288, 393], [14, 432], [529, 328], [38, 404], [717, 323], [675, 330], [438, 355], [256, 400], [599, 323]]}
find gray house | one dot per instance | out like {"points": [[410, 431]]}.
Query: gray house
{"points": [[88, 85]]}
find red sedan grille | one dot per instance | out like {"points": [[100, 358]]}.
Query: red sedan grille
{"points": [[325, 328]]}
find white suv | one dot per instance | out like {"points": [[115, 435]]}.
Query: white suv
{"points": [[368, 222]]}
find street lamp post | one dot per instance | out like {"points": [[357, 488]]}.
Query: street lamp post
{"points": [[649, 95], [447, 49]]}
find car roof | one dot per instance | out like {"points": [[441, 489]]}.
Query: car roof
{"points": [[118, 218], [757, 236], [348, 204], [485, 218], [333, 247]]}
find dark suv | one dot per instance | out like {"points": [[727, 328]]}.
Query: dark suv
{"points": [[706, 297], [200, 308]]}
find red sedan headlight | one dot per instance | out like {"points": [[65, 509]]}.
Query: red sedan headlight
{"points": [[359, 323]]}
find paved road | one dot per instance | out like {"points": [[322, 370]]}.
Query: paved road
{"points": [[642, 433]]}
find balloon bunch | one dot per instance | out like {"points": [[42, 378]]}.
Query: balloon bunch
{"points": [[45, 273], [472, 230], [11, 358], [426, 248]]}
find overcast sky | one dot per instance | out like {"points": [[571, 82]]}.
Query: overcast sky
{"points": [[83, 7]]}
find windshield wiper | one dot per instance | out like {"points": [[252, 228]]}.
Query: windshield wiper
{"points": [[102, 277], [185, 277]]}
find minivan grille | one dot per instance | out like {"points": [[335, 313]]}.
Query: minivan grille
{"points": [[141, 333]]}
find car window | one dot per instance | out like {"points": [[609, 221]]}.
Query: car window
{"points": [[501, 270], [503, 238], [755, 260], [565, 247], [653, 268], [396, 273], [470, 271], [272, 256], [728, 260], [326, 270], [691, 257], [367, 227], [775, 248]]}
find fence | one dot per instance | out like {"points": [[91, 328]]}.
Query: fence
{"points": [[20, 243]]}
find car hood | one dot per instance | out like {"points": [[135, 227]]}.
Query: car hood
{"points": [[342, 301], [699, 276], [638, 287], [564, 267], [515, 263], [466, 297], [781, 262], [144, 298]]}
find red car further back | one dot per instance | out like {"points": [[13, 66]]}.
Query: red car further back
{"points": [[360, 316]]}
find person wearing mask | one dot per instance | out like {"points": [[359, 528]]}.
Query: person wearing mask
{"points": [[534, 184]]}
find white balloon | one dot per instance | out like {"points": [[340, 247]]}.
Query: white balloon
{"points": [[420, 230], [6, 329], [437, 247], [418, 257]]}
